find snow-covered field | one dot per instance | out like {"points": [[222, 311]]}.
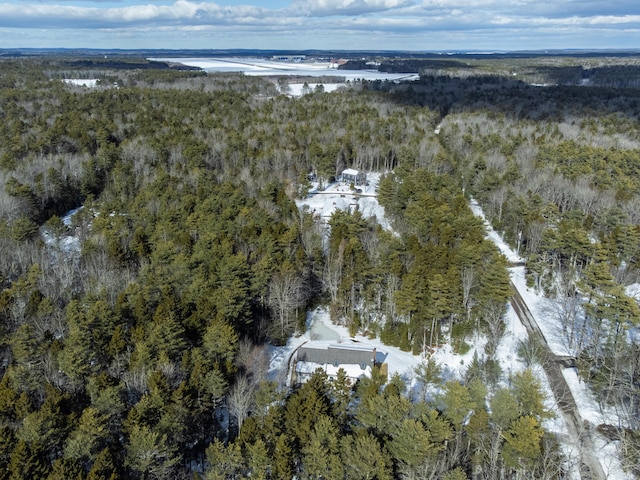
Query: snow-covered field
{"points": [[82, 82], [298, 89], [263, 67], [270, 68]]}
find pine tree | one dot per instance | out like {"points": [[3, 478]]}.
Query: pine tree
{"points": [[224, 462], [363, 458], [7, 445], [320, 455], [66, 469], [79, 358], [89, 437], [504, 408], [382, 415], [105, 467], [220, 342], [522, 442], [282, 458], [411, 445], [148, 453], [340, 396], [258, 459], [530, 395], [27, 462], [304, 407], [457, 403]]}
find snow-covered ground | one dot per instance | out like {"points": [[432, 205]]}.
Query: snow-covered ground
{"points": [[270, 68], [545, 311], [82, 82], [264, 67], [68, 242], [298, 89], [338, 196], [320, 328]]}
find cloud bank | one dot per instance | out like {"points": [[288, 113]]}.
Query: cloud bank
{"points": [[352, 24]]}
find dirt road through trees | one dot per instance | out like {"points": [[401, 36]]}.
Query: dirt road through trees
{"points": [[580, 431]]}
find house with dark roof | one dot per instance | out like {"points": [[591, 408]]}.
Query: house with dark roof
{"points": [[355, 360]]}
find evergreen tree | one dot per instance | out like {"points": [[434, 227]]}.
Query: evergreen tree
{"points": [[321, 453], [27, 462], [530, 395], [224, 462], [66, 469], [363, 458], [258, 460], [149, 455], [282, 458], [105, 467], [89, 438], [522, 442]]}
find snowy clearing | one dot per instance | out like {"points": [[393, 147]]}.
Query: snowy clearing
{"points": [[298, 89], [264, 67], [82, 82], [261, 67], [338, 196]]}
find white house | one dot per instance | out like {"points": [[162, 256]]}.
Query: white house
{"points": [[357, 361], [356, 177]]}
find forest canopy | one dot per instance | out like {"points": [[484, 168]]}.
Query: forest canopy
{"points": [[134, 334]]}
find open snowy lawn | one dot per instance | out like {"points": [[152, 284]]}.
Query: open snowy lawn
{"points": [[338, 196]]}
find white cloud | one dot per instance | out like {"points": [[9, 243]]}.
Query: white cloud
{"points": [[349, 24], [181, 12], [347, 7], [600, 20]]}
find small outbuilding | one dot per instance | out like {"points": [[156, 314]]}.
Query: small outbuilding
{"points": [[356, 177]]}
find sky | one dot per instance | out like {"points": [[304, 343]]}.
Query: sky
{"points": [[409, 25]]}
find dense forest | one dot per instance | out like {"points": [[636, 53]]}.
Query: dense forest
{"points": [[140, 351]]}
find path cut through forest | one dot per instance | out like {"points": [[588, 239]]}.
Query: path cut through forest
{"points": [[579, 430]]}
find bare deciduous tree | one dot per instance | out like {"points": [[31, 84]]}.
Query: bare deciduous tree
{"points": [[287, 292], [468, 279], [254, 359], [240, 399], [494, 321], [332, 274]]}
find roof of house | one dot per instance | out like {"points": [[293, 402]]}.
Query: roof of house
{"points": [[336, 354], [350, 171]]}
